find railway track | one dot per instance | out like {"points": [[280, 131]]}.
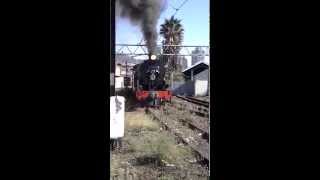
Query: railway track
{"points": [[194, 100], [199, 123], [187, 135], [197, 107]]}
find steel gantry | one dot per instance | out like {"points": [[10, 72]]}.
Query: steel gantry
{"points": [[140, 50]]}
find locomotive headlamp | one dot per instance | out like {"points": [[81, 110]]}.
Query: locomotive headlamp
{"points": [[153, 57]]}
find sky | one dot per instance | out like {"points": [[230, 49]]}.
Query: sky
{"points": [[194, 15]]}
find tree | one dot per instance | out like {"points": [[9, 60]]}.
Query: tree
{"points": [[172, 32]]}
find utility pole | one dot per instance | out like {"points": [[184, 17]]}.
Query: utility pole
{"points": [[112, 50], [126, 77], [171, 78], [112, 64]]}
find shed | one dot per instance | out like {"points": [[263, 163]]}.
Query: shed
{"points": [[197, 79], [195, 69]]}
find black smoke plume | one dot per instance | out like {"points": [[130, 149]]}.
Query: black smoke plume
{"points": [[144, 13]]}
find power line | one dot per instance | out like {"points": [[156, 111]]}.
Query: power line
{"points": [[173, 7], [182, 4], [177, 9]]}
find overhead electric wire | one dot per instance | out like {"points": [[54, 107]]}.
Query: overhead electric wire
{"points": [[177, 9]]}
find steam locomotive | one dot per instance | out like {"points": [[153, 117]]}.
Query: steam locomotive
{"points": [[149, 83]]}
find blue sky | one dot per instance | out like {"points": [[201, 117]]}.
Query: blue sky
{"points": [[195, 20]]}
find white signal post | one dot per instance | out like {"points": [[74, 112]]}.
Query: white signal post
{"points": [[117, 118]]}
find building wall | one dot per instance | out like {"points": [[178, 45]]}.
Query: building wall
{"points": [[201, 88], [118, 70], [119, 82], [198, 87], [202, 83], [121, 70], [120, 73], [204, 75]]}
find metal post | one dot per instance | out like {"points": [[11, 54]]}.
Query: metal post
{"points": [[171, 80], [191, 74], [113, 51], [208, 91], [126, 84]]}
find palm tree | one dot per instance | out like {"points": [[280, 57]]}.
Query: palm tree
{"points": [[172, 32]]}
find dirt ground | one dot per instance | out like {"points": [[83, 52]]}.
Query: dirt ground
{"points": [[149, 153]]}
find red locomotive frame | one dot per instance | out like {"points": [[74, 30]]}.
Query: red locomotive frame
{"points": [[162, 95]]}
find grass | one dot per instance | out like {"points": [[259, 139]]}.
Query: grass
{"points": [[152, 142], [166, 177], [164, 146], [140, 121]]}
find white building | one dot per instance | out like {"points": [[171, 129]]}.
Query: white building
{"points": [[197, 80], [122, 72]]}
